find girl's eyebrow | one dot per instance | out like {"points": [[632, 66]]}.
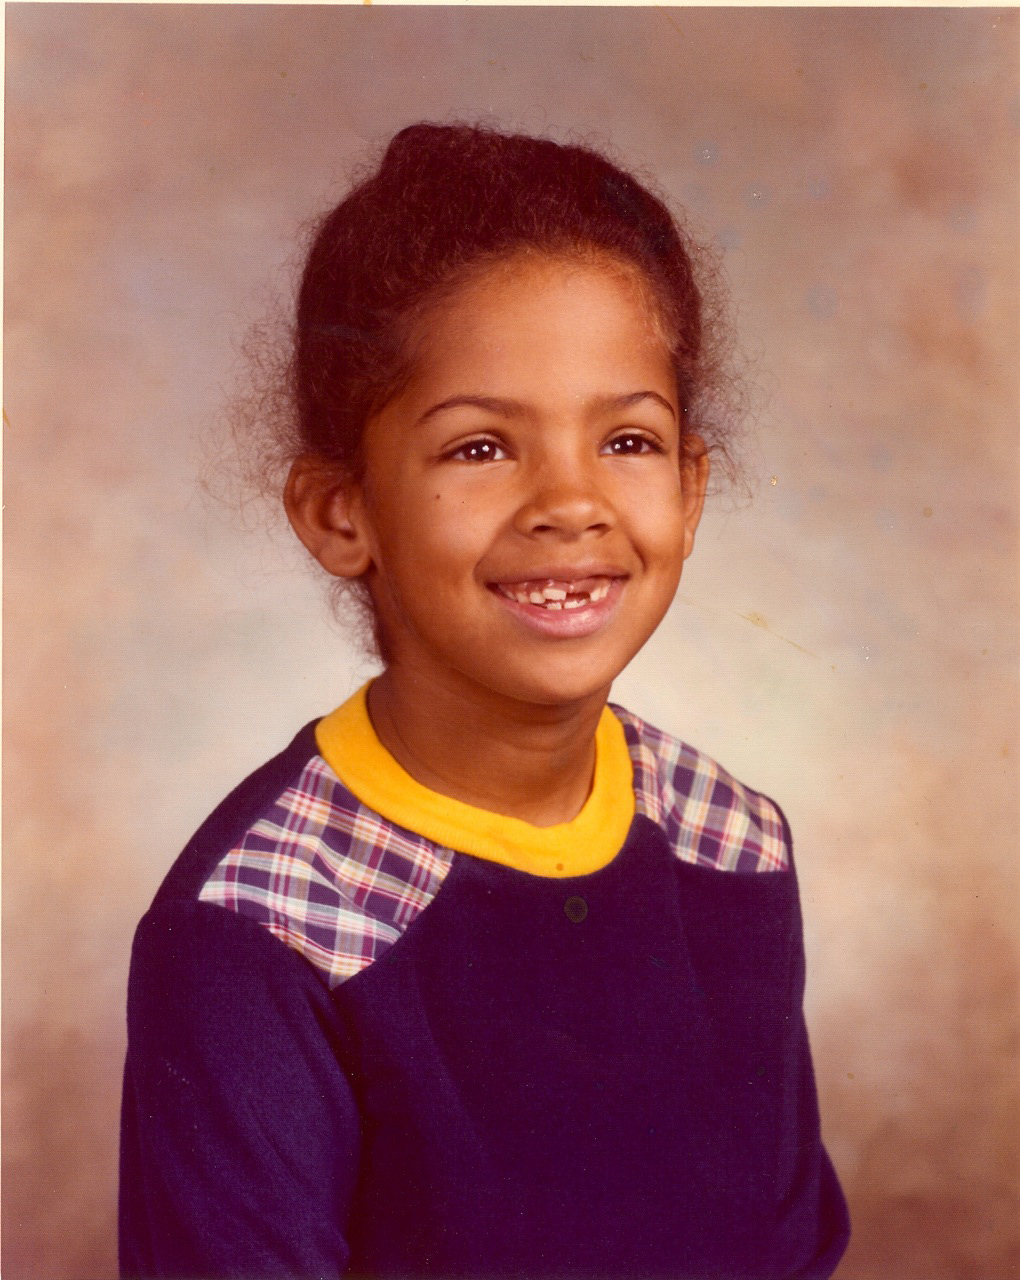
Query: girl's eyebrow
{"points": [[514, 408], [492, 404], [635, 397]]}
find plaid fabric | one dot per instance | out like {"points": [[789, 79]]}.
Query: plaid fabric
{"points": [[329, 877], [708, 817], [340, 884]]}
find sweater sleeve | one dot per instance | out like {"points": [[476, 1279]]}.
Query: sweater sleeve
{"points": [[813, 1224], [240, 1135]]}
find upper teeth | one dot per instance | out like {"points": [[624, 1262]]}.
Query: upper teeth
{"points": [[553, 597]]}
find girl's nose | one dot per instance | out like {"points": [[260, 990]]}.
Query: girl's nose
{"points": [[564, 501]]}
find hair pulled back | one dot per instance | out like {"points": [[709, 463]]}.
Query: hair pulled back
{"points": [[445, 200]]}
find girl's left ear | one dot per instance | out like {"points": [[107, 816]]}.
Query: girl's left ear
{"points": [[694, 470], [327, 514]]}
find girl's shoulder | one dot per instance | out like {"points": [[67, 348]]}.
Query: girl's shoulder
{"points": [[293, 850], [709, 818]]}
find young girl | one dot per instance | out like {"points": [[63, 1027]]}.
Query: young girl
{"points": [[482, 976]]}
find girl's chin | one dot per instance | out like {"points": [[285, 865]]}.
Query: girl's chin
{"points": [[554, 685]]}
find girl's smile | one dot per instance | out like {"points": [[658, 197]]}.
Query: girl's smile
{"points": [[523, 514], [565, 604]]}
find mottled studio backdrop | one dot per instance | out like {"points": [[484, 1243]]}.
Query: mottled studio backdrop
{"points": [[848, 641]]}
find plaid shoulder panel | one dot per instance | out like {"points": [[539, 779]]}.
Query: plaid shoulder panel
{"points": [[329, 877], [708, 816]]}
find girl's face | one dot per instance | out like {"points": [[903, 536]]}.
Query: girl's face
{"points": [[523, 507]]}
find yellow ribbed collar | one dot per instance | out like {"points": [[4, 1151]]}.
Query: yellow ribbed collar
{"points": [[349, 745]]}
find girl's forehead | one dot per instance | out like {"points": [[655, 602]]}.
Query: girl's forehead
{"points": [[542, 330], [541, 295]]}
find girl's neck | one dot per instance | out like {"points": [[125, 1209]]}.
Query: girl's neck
{"points": [[527, 761]]}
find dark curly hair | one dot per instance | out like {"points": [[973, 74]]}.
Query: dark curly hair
{"points": [[446, 201]]}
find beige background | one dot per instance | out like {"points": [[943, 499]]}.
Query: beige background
{"points": [[848, 641]]}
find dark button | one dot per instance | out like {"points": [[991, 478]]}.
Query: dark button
{"points": [[576, 909]]}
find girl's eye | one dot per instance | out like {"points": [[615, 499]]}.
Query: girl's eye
{"points": [[631, 442], [481, 450]]}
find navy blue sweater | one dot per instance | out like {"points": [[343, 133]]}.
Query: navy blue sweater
{"points": [[599, 1076]]}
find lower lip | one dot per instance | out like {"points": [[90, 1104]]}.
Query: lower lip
{"points": [[565, 624]]}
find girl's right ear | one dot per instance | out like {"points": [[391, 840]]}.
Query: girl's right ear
{"points": [[327, 514]]}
